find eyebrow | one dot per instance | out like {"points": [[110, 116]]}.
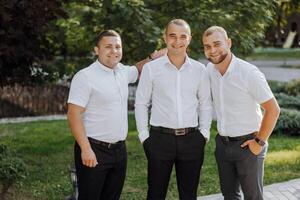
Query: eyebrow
{"points": [[172, 34], [109, 45]]}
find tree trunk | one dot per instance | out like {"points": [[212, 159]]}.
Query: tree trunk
{"points": [[4, 192]]}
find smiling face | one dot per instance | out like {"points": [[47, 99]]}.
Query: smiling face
{"points": [[177, 39], [216, 46], [109, 51]]}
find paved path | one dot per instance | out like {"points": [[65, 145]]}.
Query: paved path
{"points": [[289, 190], [280, 74], [273, 70]]}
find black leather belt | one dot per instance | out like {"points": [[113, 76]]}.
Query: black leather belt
{"points": [[106, 144], [238, 138], [177, 132]]}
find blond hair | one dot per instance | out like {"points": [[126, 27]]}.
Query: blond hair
{"points": [[214, 29], [178, 22]]}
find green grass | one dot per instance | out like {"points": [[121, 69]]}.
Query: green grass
{"points": [[47, 149]]}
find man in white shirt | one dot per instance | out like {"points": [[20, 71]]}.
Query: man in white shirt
{"points": [[239, 89], [179, 91], [97, 114]]}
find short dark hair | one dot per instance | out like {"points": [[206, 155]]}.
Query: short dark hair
{"points": [[106, 33], [179, 22]]}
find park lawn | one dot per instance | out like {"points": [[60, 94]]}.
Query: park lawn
{"points": [[47, 149]]}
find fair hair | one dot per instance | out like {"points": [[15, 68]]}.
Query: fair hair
{"points": [[214, 29], [178, 22]]}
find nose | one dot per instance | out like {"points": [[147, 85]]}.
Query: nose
{"points": [[114, 50], [213, 50], [177, 41]]}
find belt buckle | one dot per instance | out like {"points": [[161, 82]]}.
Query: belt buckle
{"points": [[180, 131], [227, 139]]}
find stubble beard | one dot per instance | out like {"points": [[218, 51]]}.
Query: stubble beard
{"points": [[221, 59]]}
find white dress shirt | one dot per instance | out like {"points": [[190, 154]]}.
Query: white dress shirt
{"points": [[237, 96], [103, 92], [180, 98]]}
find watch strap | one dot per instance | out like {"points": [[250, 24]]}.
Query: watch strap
{"points": [[260, 142]]}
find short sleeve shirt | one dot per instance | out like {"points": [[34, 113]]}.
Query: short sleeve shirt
{"points": [[103, 92], [237, 96]]}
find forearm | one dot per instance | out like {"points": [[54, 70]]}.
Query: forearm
{"points": [[139, 65], [78, 131], [267, 125], [271, 114], [154, 55]]}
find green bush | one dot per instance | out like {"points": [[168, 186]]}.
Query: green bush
{"points": [[12, 170], [293, 87], [3, 150], [288, 122], [276, 86], [286, 101], [290, 88]]}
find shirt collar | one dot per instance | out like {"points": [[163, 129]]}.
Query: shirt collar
{"points": [[166, 61], [232, 63], [107, 69]]}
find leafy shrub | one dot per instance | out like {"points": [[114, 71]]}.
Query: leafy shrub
{"points": [[3, 150], [290, 88], [293, 87], [288, 122], [12, 169], [286, 101], [276, 86]]}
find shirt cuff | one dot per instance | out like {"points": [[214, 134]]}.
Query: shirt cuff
{"points": [[143, 135], [205, 133]]}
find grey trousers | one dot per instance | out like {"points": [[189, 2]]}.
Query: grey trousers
{"points": [[239, 169]]}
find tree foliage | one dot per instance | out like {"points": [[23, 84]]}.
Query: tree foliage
{"points": [[44, 32], [23, 34], [276, 30], [142, 22]]}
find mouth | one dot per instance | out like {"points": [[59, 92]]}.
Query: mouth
{"points": [[213, 56], [177, 47], [113, 57]]}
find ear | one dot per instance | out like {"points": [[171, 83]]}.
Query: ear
{"points": [[190, 39], [229, 43], [96, 50], [165, 37]]}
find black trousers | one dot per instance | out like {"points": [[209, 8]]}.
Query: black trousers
{"points": [[239, 169], [165, 150], [106, 180]]}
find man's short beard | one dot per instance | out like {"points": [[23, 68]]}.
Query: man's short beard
{"points": [[223, 56]]}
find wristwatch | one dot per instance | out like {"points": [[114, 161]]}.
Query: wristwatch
{"points": [[260, 142]]}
